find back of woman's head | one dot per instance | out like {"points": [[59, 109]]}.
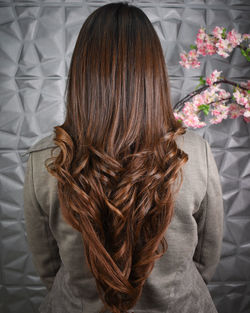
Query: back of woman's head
{"points": [[118, 156]]}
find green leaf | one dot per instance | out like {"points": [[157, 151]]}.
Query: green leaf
{"points": [[202, 81], [193, 47], [204, 108], [248, 91], [223, 35], [243, 52]]}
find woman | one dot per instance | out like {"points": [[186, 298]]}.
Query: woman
{"points": [[123, 205]]}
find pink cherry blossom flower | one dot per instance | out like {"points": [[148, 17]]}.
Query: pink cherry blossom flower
{"points": [[200, 41], [247, 119], [247, 112], [201, 35], [213, 77], [216, 119], [242, 97], [234, 38], [217, 32], [221, 111], [211, 45], [224, 46], [189, 59], [245, 84], [246, 36], [234, 110]]}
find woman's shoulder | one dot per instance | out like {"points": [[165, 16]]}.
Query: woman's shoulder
{"points": [[44, 143], [191, 141]]}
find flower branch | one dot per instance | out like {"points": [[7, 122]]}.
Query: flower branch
{"points": [[210, 98]]}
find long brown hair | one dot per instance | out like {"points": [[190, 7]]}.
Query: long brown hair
{"points": [[118, 156]]}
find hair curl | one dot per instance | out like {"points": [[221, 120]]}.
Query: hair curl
{"points": [[118, 159]]}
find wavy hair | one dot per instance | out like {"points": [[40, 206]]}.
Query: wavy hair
{"points": [[118, 158]]}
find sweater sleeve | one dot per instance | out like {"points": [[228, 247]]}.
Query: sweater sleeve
{"points": [[42, 245], [210, 219]]}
